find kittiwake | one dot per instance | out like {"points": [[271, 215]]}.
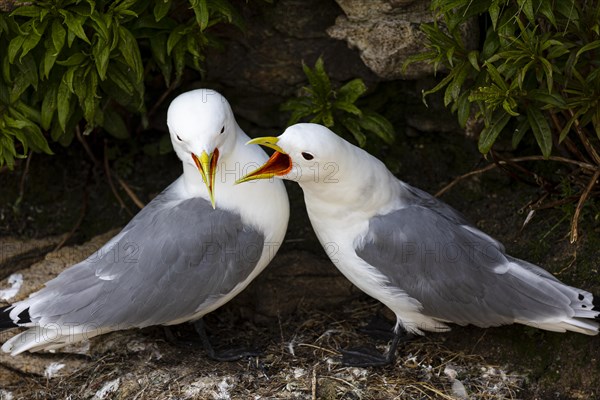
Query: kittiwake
{"points": [[411, 251], [189, 251]]}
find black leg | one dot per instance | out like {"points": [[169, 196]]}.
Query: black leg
{"points": [[363, 357], [229, 355]]}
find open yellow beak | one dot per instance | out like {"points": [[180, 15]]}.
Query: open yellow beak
{"points": [[279, 164], [207, 165]]}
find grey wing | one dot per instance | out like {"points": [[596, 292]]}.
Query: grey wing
{"points": [[171, 261], [456, 272]]}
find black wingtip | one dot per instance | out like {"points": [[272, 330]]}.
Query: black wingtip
{"points": [[596, 303], [6, 321]]}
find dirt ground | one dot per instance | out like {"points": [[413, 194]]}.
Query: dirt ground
{"points": [[299, 344]]}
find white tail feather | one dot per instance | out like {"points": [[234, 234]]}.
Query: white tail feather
{"points": [[587, 327], [38, 338]]}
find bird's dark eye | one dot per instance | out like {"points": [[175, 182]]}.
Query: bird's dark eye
{"points": [[178, 138], [307, 156], [222, 129]]}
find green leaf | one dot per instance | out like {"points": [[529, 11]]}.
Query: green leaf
{"points": [[14, 46], [378, 125], [347, 107], [567, 9], [201, 11], [90, 102], [100, 25], [325, 117], [27, 111], [227, 11], [301, 107], [30, 42], [494, 12], [490, 133], [520, 131], [121, 81], [490, 45], [114, 124], [28, 11], [464, 109], [69, 77], [450, 56], [547, 98], [101, 53], [75, 24], [63, 100], [473, 57], [123, 7], [37, 140], [318, 79], [131, 52], [461, 72], [179, 60], [546, 9], [527, 7], [75, 59], [27, 76], [129, 92], [158, 45], [49, 105], [439, 86], [351, 91], [495, 76], [175, 37], [354, 128], [548, 71], [541, 130], [509, 105], [56, 132], [161, 9], [590, 46]]}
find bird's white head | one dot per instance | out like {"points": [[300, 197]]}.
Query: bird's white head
{"points": [[305, 153], [202, 128]]}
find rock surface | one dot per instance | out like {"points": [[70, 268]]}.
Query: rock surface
{"points": [[387, 32], [266, 59]]}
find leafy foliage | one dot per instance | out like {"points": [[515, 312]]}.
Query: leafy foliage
{"points": [[536, 72], [336, 109], [71, 64], [535, 76]]}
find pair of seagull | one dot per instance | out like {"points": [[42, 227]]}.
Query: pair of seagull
{"points": [[209, 234]]}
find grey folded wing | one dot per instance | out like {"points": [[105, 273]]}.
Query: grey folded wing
{"points": [[174, 259], [458, 273]]}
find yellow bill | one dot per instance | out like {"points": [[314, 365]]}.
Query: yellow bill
{"points": [[207, 165]]}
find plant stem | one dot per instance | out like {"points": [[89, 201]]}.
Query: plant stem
{"points": [[582, 199], [110, 181], [86, 147], [584, 139], [580, 164], [130, 193]]}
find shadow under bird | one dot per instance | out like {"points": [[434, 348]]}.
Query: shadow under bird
{"points": [[414, 253], [188, 252]]}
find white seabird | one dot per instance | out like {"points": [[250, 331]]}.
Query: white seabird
{"points": [[182, 256], [411, 251]]}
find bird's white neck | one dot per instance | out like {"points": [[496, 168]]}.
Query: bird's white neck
{"points": [[234, 163], [358, 187]]}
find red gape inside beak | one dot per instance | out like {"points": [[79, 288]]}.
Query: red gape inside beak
{"points": [[279, 164]]}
